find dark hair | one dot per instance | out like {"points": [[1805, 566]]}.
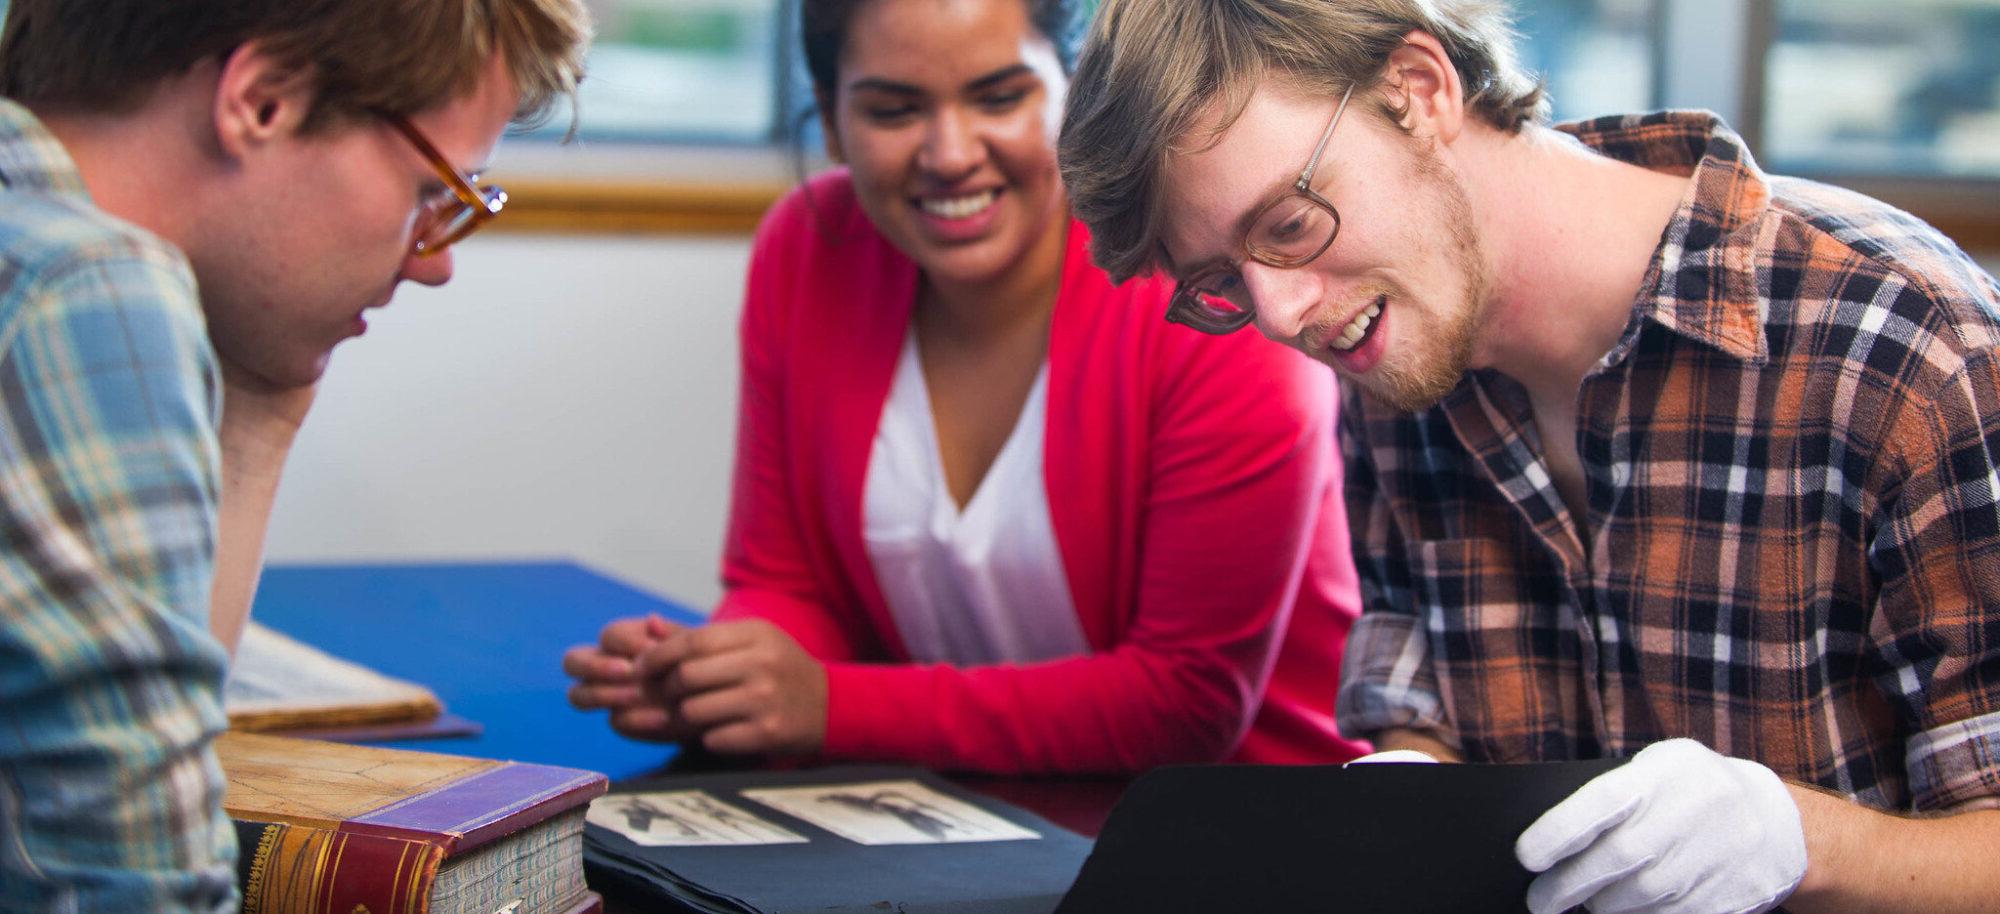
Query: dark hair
{"points": [[823, 33], [398, 56]]}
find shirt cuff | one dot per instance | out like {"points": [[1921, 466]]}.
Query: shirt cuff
{"points": [[1956, 766], [1387, 682]]}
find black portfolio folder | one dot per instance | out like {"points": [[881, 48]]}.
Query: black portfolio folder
{"points": [[1391, 837]]}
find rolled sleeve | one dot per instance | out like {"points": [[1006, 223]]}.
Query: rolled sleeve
{"points": [[1956, 766], [1386, 680]]}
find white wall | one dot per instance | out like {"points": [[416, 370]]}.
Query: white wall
{"points": [[564, 396]]}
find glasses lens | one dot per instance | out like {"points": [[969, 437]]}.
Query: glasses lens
{"points": [[450, 220], [1214, 302], [1292, 231]]}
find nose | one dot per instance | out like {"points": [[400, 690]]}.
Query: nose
{"points": [[434, 270], [1284, 299], [952, 145]]}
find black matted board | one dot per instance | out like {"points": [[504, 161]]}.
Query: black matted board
{"points": [[1390, 837]]}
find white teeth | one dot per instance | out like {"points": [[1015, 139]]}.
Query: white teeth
{"points": [[957, 207], [1358, 327]]}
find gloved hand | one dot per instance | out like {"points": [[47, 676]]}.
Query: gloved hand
{"points": [[1679, 829]]}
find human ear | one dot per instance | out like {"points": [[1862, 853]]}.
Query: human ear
{"points": [[827, 129], [257, 100], [1433, 95]]}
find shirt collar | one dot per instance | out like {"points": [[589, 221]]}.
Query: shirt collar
{"points": [[1703, 283], [31, 158]]}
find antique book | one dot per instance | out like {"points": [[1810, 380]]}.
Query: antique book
{"points": [[854, 839], [335, 828], [278, 683]]}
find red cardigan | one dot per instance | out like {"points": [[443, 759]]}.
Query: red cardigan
{"points": [[1192, 485]]}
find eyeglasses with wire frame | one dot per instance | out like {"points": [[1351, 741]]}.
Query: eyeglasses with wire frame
{"points": [[447, 219], [1287, 233]]}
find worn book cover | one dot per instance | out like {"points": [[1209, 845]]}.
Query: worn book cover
{"points": [[333, 827], [279, 683]]}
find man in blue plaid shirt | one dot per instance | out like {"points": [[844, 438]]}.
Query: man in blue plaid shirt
{"points": [[198, 200], [1650, 454]]}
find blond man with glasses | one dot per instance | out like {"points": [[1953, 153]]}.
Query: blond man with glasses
{"points": [[1650, 454], [198, 201]]}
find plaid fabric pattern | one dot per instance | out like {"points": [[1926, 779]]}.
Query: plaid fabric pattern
{"points": [[110, 799], [1794, 543]]}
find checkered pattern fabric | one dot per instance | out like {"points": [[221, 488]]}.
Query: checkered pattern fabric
{"points": [[1793, 539], [110, 799]]}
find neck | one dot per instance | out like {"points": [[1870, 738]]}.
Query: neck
{"points": [[1020, 300], [1570, 237], [141, 166]]}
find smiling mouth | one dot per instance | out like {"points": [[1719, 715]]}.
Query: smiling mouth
{"points": [[957, 207], [1358, 329]]}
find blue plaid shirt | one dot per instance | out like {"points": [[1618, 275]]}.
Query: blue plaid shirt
{"points": [[110, 684]]}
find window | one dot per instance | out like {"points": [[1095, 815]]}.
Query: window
{"points": [[702, 71], [1873, 88], [1585, 51]]}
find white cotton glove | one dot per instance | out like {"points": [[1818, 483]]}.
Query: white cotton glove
{"points": [[1391, 755], [1679, 829]]}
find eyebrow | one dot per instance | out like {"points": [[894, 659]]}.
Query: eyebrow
{"points": [[880, 84], [1241, 227], [1279, 189]]}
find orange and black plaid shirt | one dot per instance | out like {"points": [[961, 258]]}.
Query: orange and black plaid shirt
{"points": [[1793, 536]]}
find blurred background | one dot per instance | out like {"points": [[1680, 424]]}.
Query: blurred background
{"points": [[572, 393]]}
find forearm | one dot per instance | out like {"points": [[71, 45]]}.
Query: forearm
{"points": [[1399, 738], [1861, 860], [819, 629], [1117, 712], [258, 428], [247, 496]]}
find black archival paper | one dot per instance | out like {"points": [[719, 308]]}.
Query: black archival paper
{"points": [[1381, 837], [827, 872]]}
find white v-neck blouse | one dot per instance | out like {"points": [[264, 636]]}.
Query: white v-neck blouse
{"points": [[980, 586]]}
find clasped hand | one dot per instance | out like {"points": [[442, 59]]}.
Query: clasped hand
{"points": [[739, 687], [1678, 829]]}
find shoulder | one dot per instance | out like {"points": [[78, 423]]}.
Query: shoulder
{"points": [[1881, 273], [63, 261], [819, 213]]}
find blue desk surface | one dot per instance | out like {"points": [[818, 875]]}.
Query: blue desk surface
{"points": [[486, 637]]}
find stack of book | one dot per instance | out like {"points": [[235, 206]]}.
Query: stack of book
{"points": [[281, 685]]}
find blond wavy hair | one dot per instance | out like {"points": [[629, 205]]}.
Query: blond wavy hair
{"points": [[1151, 68]]}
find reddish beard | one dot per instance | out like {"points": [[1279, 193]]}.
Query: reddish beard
{"points": [[1437, 356]]}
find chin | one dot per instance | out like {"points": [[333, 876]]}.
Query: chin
{"points": [[976, 264], [304, 371]]}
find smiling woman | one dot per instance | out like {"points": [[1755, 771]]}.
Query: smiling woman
{"points": [[952, 542]]}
